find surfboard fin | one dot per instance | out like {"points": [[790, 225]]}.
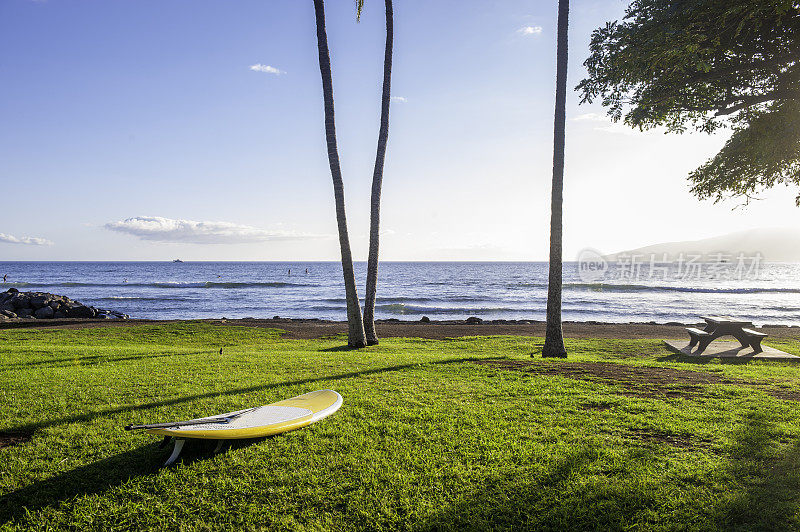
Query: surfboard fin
{"points": [[176, 452]]}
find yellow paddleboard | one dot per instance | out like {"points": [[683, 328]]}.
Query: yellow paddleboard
{"points": [[266, 420]]}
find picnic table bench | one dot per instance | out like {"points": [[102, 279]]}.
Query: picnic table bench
{"points": [[717, 326]]}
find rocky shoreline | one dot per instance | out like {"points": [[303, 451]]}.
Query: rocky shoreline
{"points": [[16, 305]]}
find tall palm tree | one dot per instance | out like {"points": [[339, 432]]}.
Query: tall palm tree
{"points": [[377, 181], [554, 336], [355, 325]]}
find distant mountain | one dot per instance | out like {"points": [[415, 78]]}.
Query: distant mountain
{"points": [[775, 245]]}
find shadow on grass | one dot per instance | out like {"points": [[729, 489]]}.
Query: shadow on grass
{"points": [[768, 497], [93, 359], [100, 476], [565, 496], [93, 478], [756, 488], [338, 348], [89, 416], [688, 359]]}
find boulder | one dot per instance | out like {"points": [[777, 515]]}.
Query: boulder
{"points": [[20, 301], [43, 313], [41, 305], [39, 300], [77, 310]]}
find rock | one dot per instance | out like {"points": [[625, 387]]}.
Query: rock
{"points": [[44, 313], [472, 320], [77, 310], [44, 306], [425, 319], [40, 300], [20, 301]]}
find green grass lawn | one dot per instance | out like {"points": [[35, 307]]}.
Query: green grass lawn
{"points": [[622, 435]]}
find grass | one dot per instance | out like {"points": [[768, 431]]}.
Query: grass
{"points": [[427, 438]]}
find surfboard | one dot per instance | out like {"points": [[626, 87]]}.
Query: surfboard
{"points": [[267, 420]]}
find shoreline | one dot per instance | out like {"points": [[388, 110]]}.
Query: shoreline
{"points": [[309, 328]]}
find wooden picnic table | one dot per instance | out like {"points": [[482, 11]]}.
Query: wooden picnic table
{"points": [[718, 326]]}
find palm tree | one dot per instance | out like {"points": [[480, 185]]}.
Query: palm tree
{"points": [[377, 181], [355, 326], [554, 336]]}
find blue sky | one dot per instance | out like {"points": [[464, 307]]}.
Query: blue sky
{"points": [[138, 130]]}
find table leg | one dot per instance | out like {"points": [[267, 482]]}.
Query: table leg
{"points": [[742, 337], [703, 343]]}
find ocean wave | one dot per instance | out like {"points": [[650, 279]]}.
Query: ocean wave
{"points": [[410, 299], [527, 285], [608, 287], [403, 309], [208, 284], [139, 298]]}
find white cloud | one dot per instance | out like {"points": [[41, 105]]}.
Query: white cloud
{"points": [[604, 123], [530, 30], [621, 129], [258, 67], [158, 229], [591, 117], [399, 99], [31, 241]]}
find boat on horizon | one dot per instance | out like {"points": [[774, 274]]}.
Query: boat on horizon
{"points": [[177, 260]]}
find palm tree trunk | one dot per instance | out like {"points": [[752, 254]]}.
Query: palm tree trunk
{"points": [[355, 327], [377, 182], [554, 337]]}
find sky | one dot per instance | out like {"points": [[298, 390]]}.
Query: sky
{"points": [[193, 129]]}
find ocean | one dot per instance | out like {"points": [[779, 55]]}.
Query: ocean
{"points": [[768, 293]]}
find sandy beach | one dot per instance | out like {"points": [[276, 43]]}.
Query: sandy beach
{"points": [[437, 330]]}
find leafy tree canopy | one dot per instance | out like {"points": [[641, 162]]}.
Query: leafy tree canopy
{"points": [[706, 64]]}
